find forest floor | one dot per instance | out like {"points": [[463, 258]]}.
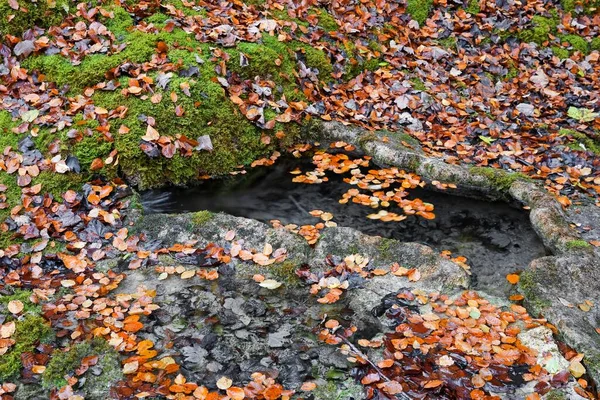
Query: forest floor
{"points": [[102, 99]]}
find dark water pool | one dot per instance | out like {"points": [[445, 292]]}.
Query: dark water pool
{"points": [[496, 238]]}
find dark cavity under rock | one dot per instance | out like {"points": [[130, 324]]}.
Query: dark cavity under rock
{"points": [[496, 238]]}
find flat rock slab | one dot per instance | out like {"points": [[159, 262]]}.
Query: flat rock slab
{"points": [[557, 288], [233, 327]]}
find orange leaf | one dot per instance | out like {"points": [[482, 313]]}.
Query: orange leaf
{"points": [[513, 279], [433, 384], [236, 393], [97, 164]]}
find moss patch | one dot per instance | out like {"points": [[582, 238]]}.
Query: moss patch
{"points": [[541, 28], [448, 43], [57, 184], [419, 9], [41, 13], [64, 363], [336, 390], [326, 20], [501, 180], [286, 272], [581, 139], [560, 52], [23, 296], [92, 69], [577, 244], [29, 331], [528, 286], [473, 7], [418, 84], [201, 217], [577, 43]]}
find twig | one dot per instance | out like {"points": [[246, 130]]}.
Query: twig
{"points": [[297, 204]]}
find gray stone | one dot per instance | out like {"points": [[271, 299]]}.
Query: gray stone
{"points": [[554, 287]]}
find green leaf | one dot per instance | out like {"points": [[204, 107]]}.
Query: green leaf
{"points": [[582, 114], [487, 139], [30, 116]]}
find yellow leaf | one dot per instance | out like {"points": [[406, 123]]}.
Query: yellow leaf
{"points": [[188, 274], [15, 306], [224, 383]]}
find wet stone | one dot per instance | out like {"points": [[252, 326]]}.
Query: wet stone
{"points": [[496, 238]]}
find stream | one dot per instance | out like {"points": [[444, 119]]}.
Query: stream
{"points": [[496, 238]]}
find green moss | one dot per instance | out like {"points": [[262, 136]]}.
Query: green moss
{"points": [[568, 5], [335, 390], [201, 217], [29, 332], [120, 22], [528, 287], [577, 244], [57, 184], [92, 70], [595, 44], [588, 7], [501, 180], [23, 296], [367, 138], [555, 395], [41, 13], [418, 84], [64, 363], [538, 33], [473, 7], [263, 60], [384, 247], [448, 43], [581, 139], [419, 9], [286, 272], [90, 148], [512, 73], [399, 136], [560, 52], [235, 140], [13, 198], [7, 136], [326, 20], [158, 19], [577, 43], [317, 59]]}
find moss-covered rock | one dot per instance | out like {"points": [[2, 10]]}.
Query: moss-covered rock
{"points": [[201, 217], [335, 390], [528, 286], [30, 331], [24, 297], [500, 179], [64, 363], [93, 68], [577, 244], [286, 272], [29, 14]]}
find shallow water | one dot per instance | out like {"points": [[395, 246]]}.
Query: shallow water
{"points": [[496, 238]]}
